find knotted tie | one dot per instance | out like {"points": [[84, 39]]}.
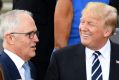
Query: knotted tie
{"points": [[27, 71], [96, 67]]}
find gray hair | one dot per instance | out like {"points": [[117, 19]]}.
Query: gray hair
{"points": [[10, 20]]}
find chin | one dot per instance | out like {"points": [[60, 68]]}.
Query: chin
{"points": [[84, 43], [33, 54]]}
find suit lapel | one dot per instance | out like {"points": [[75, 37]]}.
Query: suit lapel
{"points": [[82, 61], [114, 62], [11, 68]]}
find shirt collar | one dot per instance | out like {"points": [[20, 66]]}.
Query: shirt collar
{"points": [[16, 59], [105, 51]]}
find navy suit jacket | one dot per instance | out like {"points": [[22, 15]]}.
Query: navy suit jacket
{"points": [[9, 68], [70, 64]]}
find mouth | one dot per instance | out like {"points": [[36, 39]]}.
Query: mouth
{"points": [[33, 47], [85, 35]]}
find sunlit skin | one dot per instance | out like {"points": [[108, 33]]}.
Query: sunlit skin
{"points": [[93, 32], [21, 44]]}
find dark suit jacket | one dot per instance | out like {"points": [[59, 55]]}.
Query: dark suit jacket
{"points": [[70, 64], [9, 68]]}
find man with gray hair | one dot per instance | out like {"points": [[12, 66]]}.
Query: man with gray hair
{"points": [[19, 34], [96, 58]]}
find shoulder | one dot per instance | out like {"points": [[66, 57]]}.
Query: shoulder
{"points": [[71, 48], [115, 49], [114, 45], [69, 51], [1, 55], [4, 59]]}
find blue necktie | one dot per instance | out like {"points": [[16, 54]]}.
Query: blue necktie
{"points": [[96, 67], [27, 71]]}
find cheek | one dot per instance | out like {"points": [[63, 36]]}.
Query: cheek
{"points": [[24, 43], [25, 48], [98, 33]]}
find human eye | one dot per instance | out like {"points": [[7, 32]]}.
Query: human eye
{"points": [[82, 21], [30, 34], [91, 24]]}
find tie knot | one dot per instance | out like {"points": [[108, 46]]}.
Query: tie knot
{"points": [[25, 65], [27, 72], [96, 53]]}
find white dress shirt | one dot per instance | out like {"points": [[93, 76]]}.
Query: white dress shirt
{"points": [[17, 61], [104, 60]]}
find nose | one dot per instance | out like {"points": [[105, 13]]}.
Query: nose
{"points": [[36, 38]]}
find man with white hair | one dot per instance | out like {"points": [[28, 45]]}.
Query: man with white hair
{"points": [[19, 34]]}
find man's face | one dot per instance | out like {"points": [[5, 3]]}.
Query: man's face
{"points": [[92, 31], [24, 45]]}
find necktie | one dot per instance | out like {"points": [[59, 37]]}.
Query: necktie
{"points": [[27, 71], [96, 67]]}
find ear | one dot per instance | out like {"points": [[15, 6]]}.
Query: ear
{"points": [[108, 32], [9, 38]]}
